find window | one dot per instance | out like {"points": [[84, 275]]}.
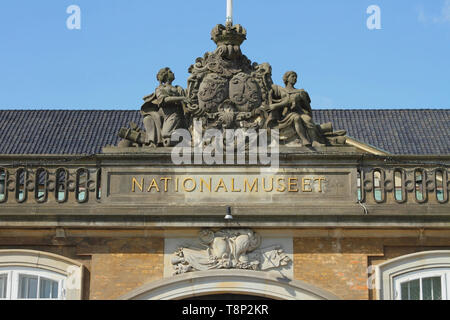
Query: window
{"points": [[423, 285], [28, 287], [31, 283], [3, 287], [2, 185], [418, 276], [38, 275], [48, 289]]}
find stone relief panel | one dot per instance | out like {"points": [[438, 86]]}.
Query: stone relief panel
{"points": [[239, 249]]}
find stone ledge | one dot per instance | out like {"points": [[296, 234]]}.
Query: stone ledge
{"points": [[146, 222], [338, 209]]}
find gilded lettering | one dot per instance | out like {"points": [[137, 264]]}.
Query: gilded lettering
{"points": [[264, 185], [293, 185], [253, 186], [221, 185], [194, 184], [281, 186], [320, 183], [306, 182], [135, 183], [202, 182], [153, 185], [232, 186], [268, 184], [166, 180]]}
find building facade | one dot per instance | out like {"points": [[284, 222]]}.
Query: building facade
{"points": [[322, 214]]}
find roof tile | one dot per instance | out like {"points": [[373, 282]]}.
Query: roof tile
{"points": [[88, 131]]}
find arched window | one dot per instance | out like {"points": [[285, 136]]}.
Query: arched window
{"points": [[27, 274], [429, 284], [31, 283], [417, 276]]}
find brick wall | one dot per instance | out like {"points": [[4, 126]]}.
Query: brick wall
{"points": [[335, 265], [341, 265], [118, 265], [113, 266], [121, 266]]}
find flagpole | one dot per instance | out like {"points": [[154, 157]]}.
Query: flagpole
{"points": [[229, 12]]}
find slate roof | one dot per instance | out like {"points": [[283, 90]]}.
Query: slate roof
{"points": [[87, 131]]}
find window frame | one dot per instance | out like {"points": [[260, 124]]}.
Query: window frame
{"points": [[13, 282], [443, 273], [68, 273], [7, 285], [418, 263]]}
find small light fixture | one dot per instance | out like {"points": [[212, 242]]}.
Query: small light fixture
{"points": [[229, 216]]}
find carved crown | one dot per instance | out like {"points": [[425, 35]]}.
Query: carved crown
{"points": [[233, 35]]}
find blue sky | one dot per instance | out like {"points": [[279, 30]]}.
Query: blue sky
{"points": [[112, 61]]}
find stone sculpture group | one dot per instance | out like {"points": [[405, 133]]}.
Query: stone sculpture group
{"points": [[225, 90]]}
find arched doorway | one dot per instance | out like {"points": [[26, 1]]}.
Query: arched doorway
{"points": [[200, 285]]}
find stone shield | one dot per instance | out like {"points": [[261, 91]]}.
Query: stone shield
{"points": [[212, 92], [245, 92]]}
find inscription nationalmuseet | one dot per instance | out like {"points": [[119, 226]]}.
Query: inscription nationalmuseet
{"points": [[233, 184]]}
